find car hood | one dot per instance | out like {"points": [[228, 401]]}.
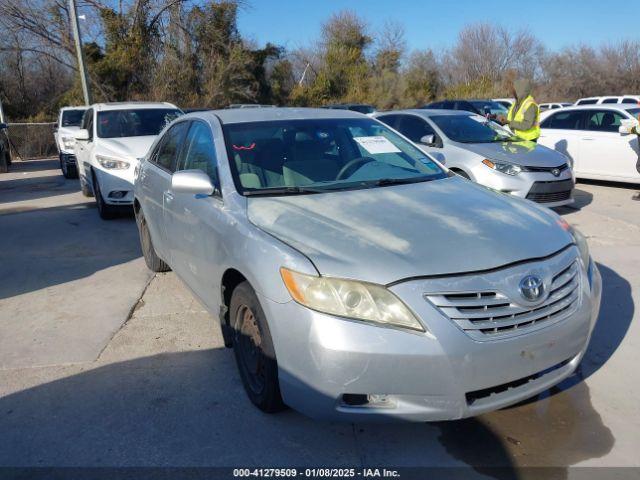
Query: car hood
{"points": [[524, 153], [132, 147], [387, 234], [69, 130]]}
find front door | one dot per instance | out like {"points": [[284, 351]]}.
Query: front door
{"points": [[196, 223]]}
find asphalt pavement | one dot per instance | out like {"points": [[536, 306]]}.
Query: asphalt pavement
{"points": [[102, 364]]}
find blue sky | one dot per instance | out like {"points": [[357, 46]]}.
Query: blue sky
{"points": [[435, 24]]}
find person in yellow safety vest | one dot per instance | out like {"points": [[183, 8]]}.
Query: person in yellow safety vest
{"points": [[524, 115]]}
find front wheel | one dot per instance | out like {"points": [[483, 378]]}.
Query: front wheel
{"points": [[106, 211], [5, 161], [254, 350]]}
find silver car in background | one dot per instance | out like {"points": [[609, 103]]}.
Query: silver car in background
{"points": [[485, 152], [356, 278]]}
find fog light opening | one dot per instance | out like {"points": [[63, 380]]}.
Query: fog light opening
{"points": [[117, 194], [371, 400]]}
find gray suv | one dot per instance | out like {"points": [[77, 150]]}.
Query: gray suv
{"points": [[354, 276]]}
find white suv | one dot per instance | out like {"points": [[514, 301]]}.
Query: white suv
{"points": [[112, 139], [69, 120]]}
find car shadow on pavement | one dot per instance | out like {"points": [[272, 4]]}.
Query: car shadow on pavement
{"points": [[44, 247]]}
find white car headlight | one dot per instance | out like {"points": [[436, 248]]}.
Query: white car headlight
{"points": [[112, 163], [68, 142], [581, 243], [507, 168], [349, 298]]}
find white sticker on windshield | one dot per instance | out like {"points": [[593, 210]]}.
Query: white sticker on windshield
{"points": [[478, 118], [377, 144]]}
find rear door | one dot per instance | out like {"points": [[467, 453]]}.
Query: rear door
{"points": [[196, 224], [604, 153], [562, 131]]}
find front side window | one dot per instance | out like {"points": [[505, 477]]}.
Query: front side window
{"points": [[170, 146], [414, 128], [134, 122], [391, 120], [610, 100], [604, 120], [571, 120], [71, 118], [199, 152], [630, 100], [321, 155], [472, 129], [591, 101]]}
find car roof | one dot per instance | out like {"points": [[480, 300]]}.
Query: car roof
{"points": [[427, 112], [601, 106], [130, 105], [79, 107], [245, 115]]}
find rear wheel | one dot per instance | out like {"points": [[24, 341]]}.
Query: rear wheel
{"points": [[254, 350], [151, 258], [106, 211]]}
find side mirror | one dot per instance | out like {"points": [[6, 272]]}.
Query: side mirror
{"points": [[3, 126], [192, 181], [428, 140], [81, 135]]}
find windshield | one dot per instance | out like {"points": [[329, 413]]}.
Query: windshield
{"points": [[634, 112], [134, 123], [72, 118], [472, 129], [492, 108], [311, 156]]}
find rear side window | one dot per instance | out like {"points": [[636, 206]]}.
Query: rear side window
{"points": [[610, 100], [604, 120], [591, 101], [629, 100], [564, 120], [166, 155]]}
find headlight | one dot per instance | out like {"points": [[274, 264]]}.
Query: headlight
{"points": [[351, 299], [68, 142], [112, 163], [581, 243], [507, 168]]}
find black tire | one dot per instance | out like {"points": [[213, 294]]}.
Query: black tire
{"points": [[106, 211], [151, 258], [84, 188], [69, 171], [4, 161], [253, 347]]}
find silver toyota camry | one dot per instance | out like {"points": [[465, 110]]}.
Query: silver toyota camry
{"points": [[485, 152], [354, 276]]}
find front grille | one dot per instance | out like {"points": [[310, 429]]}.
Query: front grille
{"points": [[561, 168], [549, 197], [492, 314]]}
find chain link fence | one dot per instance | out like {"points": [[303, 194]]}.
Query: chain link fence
{"points": [[32, 140]]}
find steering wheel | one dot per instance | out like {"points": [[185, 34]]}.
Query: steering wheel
{"points": [[360, 161]]}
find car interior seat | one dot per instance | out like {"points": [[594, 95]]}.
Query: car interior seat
{"points": [[307, 163]]}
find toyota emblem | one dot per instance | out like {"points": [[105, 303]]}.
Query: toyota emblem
{"points": [[531, 288], [555, 172]]}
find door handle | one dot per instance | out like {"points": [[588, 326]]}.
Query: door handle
{"points": [[168, 196], [587, 138]]}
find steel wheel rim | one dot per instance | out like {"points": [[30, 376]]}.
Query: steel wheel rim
{"points": [[249, 341]]}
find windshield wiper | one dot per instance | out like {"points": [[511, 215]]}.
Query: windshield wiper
{"points": [[395, 181], [284, 191]]}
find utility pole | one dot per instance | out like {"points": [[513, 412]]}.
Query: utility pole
{"points": [[73, 14]]}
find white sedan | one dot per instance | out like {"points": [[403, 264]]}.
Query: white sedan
{"points": [[590, 136]]}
